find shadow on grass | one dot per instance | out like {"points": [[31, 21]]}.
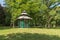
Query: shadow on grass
{"points": [[28, 36]]}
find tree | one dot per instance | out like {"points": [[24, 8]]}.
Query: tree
{"points": [[49, 12], [2, 15], [13, 9], [42, 11], [16, 6]]}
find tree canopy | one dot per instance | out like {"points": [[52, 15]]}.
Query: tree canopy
{"points": [[43, 12]]}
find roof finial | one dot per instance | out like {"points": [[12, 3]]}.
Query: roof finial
{"points": [[24, 11]]}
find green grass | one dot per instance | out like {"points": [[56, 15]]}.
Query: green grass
{"points": [[29, 34]]}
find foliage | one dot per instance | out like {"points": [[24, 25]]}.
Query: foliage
{"points": [[40, 10], [2, 15]]}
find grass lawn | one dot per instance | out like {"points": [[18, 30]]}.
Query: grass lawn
{"points": [[29, 34]]}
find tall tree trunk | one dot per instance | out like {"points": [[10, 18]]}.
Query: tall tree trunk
{"points": [[12, 24], [46, 25], [49, 25], [54, 25], [48, 22]]}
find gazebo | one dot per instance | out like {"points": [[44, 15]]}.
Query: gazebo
{"points": [[24, 20]]}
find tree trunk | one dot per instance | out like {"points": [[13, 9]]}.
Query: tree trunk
{"points": [[48, 22], [46, 25], [49, 25], [12, 24], [54, 26]]}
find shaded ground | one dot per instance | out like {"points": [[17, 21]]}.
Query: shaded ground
{"points": [[28, 36]]}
